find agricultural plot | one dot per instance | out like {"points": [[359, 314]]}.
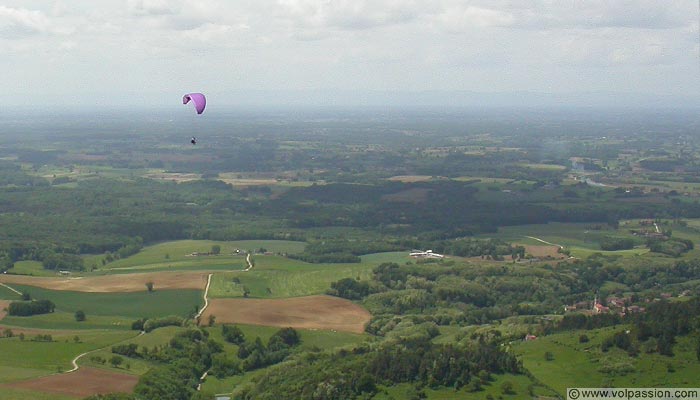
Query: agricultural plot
{"points": [[313, 312], [277, 277], [7, 293], [157, 337], [82, 383], [114, 283], [29, 267], [131, 304], [28, 358], [3, 308], [579, 238], [66, 321], [10, 393], [398, 257], [179, 253]]}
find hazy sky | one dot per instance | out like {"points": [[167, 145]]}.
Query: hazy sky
{"points": [[146, 51]]}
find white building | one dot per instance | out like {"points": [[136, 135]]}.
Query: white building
{"points": [[425, 254]]}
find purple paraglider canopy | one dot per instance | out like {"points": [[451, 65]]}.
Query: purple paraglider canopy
{"points": [[198, 99]]}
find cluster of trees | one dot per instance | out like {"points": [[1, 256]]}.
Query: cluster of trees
{"points": [[611, 243], [349, 288], [232, 334], [253, 354], [63, 261], [179, 366], [27, 308], [454, 294], [652, 331], [356, 374], [674, 247], [466, 247], [594, 271], [331, 250], [256, 355], [127, 350], [149, 324], [665, 320], [587, 322], [130, 247]]}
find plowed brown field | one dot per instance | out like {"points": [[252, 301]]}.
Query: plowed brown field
{"points": [[81, 383], [3, 305], [312, 312]]}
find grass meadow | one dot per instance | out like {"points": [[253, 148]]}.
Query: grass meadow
{"points": [[577, 364], [157, 337], [287, 279], [21, 394], [66, 321], [7, 294], [177, 253], [133, 304], [522, 385], [581, 239], [27, 358]]}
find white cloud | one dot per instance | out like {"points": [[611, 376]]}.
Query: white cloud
{"points": [[351, 44], [209, 32], [150, 7], [349, 14], [460, 19], [19, 22]]}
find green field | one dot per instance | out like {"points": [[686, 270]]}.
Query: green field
{"points": [[399, 257], [579, 238], [521, 386], [20, 394], [30, 267], [288, 281], [133, 304], [157, 337], [584, 365], [177, 254], [66, 320], [7, 294], [27, 358]]}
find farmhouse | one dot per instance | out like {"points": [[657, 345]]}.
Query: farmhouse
{"points": [[635, 309], [425, 254], [616, 302], [599, 308]]}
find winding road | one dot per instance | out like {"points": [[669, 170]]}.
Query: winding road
{"points": [[206, 297], [75, 360], [250, 264]]}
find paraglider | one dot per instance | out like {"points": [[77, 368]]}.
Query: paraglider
{"points": [[200, 102], [198, 99]]}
